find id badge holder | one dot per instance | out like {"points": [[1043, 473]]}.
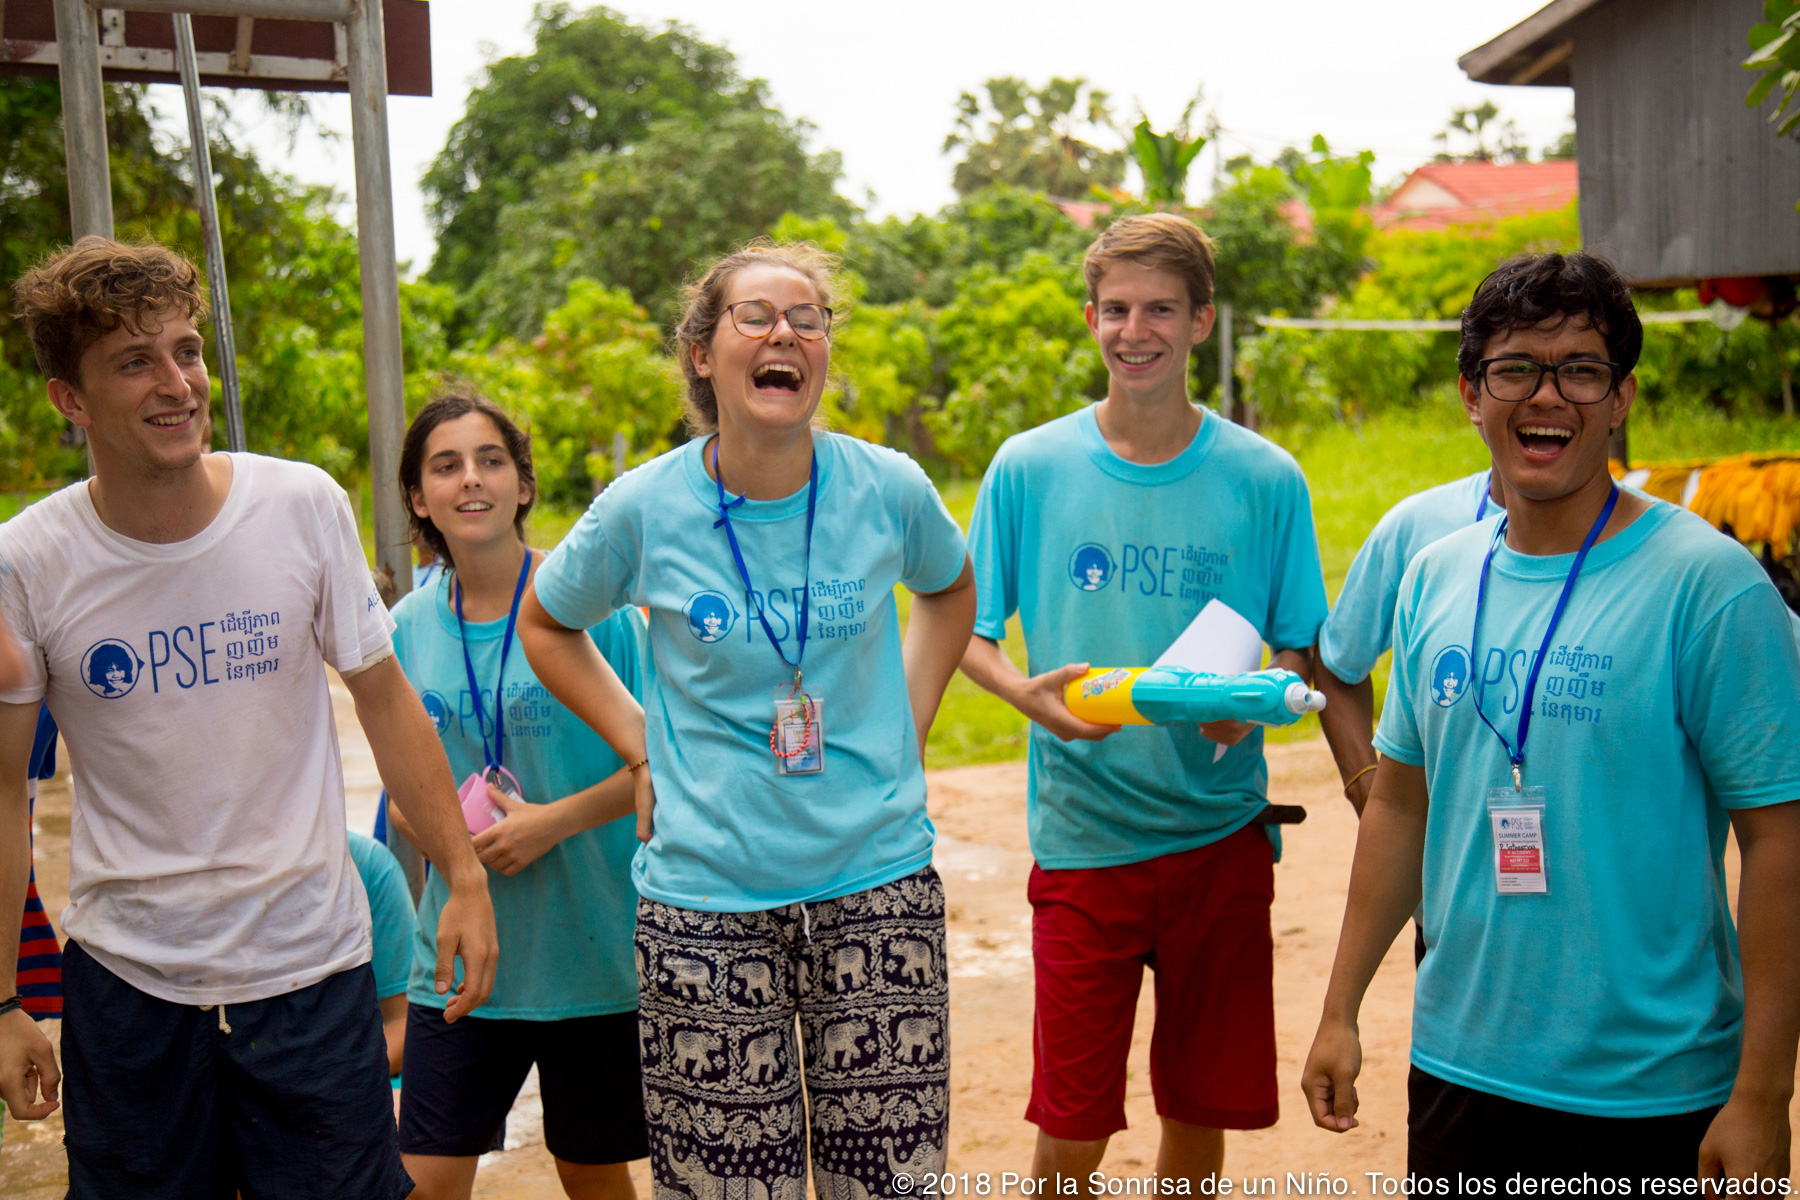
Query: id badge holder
{"points": [[1516, 821], [798, 738]]}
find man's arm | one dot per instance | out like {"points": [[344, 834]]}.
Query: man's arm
{"points": [[937, 633], [417, 777], [27, 1063], [393, 1030], [1750, 1136], [1039, 697], [573, 670], [1384, 891], [1349, 725]]}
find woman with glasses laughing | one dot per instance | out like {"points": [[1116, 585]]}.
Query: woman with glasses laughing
{"points": [[786, 866]]}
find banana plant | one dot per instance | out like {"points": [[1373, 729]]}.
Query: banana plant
{"points": [[1164, 158]]}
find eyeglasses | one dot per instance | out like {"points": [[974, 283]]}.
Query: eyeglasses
{"points": [[757, 318], [1579, 381]]}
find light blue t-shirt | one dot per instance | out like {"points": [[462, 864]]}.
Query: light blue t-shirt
{"points": [[390, 913], [1670, 696], [1106, 561], [565, 922], [1360, 628], [731, 835]]}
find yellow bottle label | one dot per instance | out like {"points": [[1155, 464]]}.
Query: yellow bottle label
{"points": [[1103, 696]]}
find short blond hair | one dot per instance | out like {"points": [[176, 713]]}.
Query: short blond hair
{"points": [[1161, 241], [78, 295]]}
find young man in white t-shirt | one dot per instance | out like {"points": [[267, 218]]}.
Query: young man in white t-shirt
{"points": [[178, 609]]}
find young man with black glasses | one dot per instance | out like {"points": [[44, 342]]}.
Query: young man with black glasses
{"points": [[1632, 690]]}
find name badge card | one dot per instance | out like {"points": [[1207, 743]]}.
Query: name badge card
{"points": [[1516, 819], [798, 738]]}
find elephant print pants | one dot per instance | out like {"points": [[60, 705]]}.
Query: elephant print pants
{"points": [[719, 994]]}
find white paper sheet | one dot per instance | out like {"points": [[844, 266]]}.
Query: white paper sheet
{"points": [[1218, 640]]}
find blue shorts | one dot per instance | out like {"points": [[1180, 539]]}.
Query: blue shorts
{"points": [[462, 1079], [161, 1101]]}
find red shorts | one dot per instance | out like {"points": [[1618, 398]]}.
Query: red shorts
{"points": [[1198, 919]]}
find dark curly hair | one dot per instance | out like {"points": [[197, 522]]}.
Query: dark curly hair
{"points": [[705, 298], [1532, 291], [453, 402], [78, 295]]}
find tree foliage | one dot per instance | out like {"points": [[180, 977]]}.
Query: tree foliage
{"points": [[1031, 138], [640, 219], [1019, 354], [1163, 159], [927, 256], [1775, 51], [1478, 135], [593, 84], [595, 371], [293, 267]]}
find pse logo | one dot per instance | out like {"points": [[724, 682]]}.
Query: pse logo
{"points": [[710, 616], [110, 668], [1449, 676], [1091, 567], [437, 709]]}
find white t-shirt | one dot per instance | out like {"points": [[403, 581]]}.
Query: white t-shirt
{"points": [[207, 855]]}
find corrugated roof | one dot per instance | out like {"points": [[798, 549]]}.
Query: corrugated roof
{"points": [[1439, 195]]}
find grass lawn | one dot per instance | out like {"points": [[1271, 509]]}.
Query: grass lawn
{"points": [[1356, 474]]}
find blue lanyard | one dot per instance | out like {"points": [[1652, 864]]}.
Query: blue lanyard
{"points": [[812, 496], [512, 620], [1516, 754], [1487, 486]]}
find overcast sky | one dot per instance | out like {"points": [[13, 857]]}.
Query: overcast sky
{"points": [[880, 81]]}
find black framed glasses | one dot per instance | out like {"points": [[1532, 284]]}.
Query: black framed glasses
{"points": [[758, 318], [1579, 380]]}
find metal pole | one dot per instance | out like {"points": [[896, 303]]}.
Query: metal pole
{"points": [[84, 119], [209, 230], [1227, 364], [382, 365], [383, 371]]}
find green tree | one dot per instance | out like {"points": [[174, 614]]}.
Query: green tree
{"points": [[1018, 354], [643, 218], [595, 371], [1475, 135], [593, 83], [927, 257], [1031, 138]]}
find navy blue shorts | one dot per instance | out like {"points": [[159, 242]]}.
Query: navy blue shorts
{"points": [[162, 1102], [461, 1081]]}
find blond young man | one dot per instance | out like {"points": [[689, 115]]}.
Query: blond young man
{"points": [[1107, 531]]}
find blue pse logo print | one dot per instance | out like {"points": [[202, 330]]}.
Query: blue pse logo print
{"points": [[110, 668], [1091, 567], [1449, 676], [710, 616], [437, 708]]}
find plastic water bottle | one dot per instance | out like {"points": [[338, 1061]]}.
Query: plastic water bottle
{"points": [[1175, 696]]}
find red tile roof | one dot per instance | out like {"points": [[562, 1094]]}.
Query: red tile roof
{"points": [[1439, 195]]}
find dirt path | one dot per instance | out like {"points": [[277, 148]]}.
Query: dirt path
{"points": [[984, 859]]}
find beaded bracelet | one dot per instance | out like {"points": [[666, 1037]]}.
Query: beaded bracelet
{"points": [[642, 762]]}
